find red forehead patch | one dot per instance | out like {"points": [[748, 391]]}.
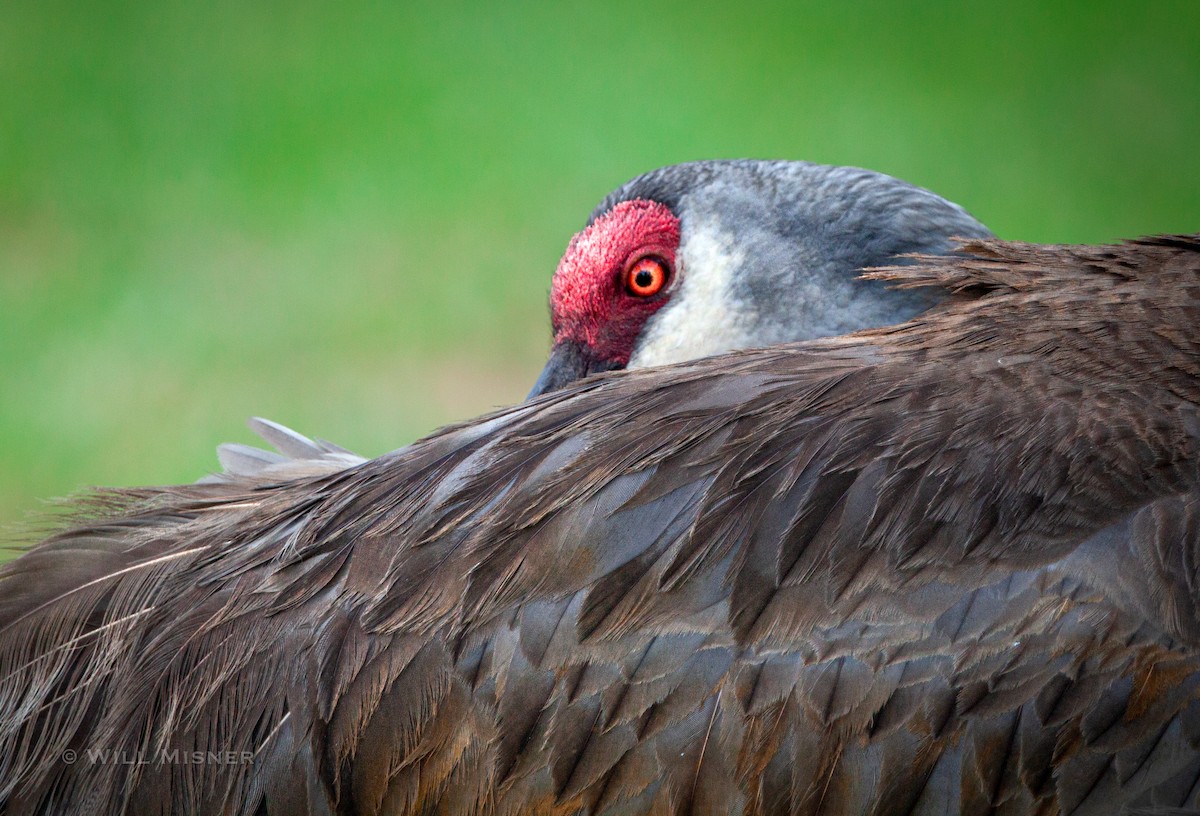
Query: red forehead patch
{"points": [[588, 303]]}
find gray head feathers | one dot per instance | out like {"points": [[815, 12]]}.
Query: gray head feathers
{"points": [[771, 252]]}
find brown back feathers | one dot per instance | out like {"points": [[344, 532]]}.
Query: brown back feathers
{"points": [[950, 566]]}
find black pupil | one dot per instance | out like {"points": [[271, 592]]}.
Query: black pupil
{"points": [[644, 279]]}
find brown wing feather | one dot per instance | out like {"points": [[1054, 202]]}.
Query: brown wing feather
{"points": [[944, 567]]}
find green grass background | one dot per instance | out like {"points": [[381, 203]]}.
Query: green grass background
{"points": [[344, 216]]}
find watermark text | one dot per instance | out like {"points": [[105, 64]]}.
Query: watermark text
{"points": [[167, 756]]}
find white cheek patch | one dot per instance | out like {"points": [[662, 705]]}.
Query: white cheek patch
{"points": [[701, 319]]}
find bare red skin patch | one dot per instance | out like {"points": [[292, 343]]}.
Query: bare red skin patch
{"points": [[588, 299]]}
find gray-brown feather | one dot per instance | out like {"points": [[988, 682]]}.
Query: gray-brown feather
{"points": [[949, 566]]}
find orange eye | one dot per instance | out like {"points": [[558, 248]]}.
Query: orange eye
{"points": [[646, 277]]}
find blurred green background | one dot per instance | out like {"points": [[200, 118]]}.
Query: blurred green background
{"points": [[344, 216]]}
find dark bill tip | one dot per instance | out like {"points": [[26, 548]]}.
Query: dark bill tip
{"points": [[569, 361]]}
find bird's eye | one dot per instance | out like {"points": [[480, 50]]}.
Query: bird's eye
{"points": [[646, 277]]}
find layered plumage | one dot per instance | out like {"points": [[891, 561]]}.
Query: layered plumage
{"points": [[948, 566]]}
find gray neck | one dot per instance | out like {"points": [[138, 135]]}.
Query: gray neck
{"points": [[771, 252]]}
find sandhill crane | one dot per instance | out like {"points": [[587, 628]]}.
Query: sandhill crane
{"points": [[945, 566]]}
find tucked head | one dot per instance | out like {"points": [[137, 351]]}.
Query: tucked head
{"points": [[703, 258]]}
